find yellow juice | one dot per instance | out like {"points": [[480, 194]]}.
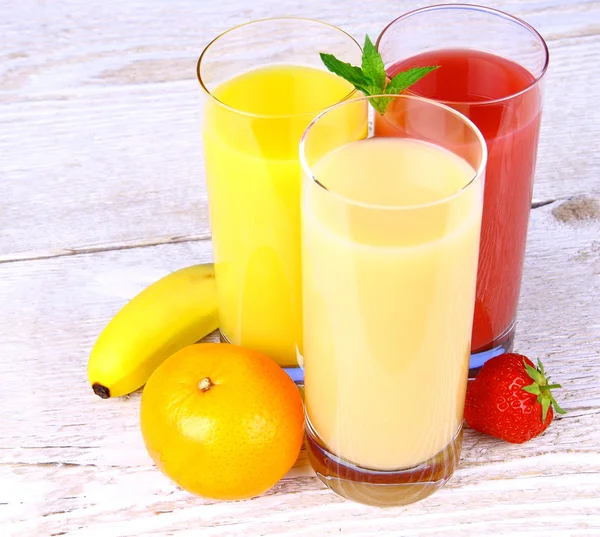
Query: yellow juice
{"points": [[389, 290], [251, 134]]}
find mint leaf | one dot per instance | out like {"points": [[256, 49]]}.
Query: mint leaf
{"points": [[380, 103], [348, 72], [371, 78], [372, 65], [407, 78]]}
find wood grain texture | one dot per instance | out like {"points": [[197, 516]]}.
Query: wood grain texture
{"points": [[71, 462], [101, 164], [100, 112]]}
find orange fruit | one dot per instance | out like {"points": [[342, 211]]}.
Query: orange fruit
{"points": [[222, 421]]}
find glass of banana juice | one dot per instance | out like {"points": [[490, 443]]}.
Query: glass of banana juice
{"points": [[256, 107], [391, 217]]}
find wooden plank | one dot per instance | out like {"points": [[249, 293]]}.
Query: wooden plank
{"points": [[136, 502], [71, 462], [100, 143]]}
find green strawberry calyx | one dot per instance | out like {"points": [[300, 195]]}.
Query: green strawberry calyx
{"points": [[541, 387]]}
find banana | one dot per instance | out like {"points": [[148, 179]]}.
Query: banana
{"points": [[173, 312]]}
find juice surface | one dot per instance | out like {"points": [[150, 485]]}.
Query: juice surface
{"points": [[388, 299], [470, 81], [253, 178]]}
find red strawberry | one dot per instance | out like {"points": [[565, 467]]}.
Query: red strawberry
{"points": [[511, 399]]}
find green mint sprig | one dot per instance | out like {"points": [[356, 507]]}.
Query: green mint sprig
{"points": [[371, 77]]}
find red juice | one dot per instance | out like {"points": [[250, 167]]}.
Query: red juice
{"points": [[500, 97]]}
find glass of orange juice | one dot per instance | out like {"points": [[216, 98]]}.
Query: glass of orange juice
{"points": [[263, 83], [391, 217]]}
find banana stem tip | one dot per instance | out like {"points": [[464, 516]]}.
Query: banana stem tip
{"points": [[101, 391]]}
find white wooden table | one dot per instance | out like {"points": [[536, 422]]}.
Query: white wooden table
{"points": [[103, 191]]}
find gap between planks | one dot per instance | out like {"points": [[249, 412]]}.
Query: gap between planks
{"points": [[85, 250]]}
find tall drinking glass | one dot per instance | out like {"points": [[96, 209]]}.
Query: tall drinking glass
{"points": [[263, 82], [391, 218], [491, 70]]}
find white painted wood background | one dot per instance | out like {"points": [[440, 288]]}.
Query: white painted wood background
{"points": [[103, 192]]}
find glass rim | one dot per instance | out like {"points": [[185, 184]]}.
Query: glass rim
{"points": [[479, 171], [259, 21], [489, 11]]}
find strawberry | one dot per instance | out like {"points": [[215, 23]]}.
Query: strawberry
{"points": [[510, 399]]}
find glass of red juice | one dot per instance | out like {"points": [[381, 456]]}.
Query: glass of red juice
{"points": [[492, 67]]}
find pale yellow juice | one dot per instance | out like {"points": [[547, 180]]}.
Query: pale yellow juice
{"points": [[253, 178], [388, 299]]}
